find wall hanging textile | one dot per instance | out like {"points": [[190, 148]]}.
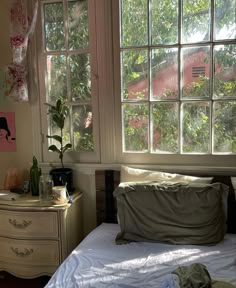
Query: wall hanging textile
{"points": [[21, 28]]}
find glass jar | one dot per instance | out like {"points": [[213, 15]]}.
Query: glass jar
{"points": [[45, 188]]}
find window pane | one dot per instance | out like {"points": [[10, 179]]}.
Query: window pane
{"points": [[135, 127], [196, 20], [180, 65], [165, 127], [225, 19], [196, 72], [56, 77], [78, 24], [196, 127], [80, 77], [225, 127], [54, 27], [82, 118], [164, 65], [134, 74], [164, 22], [134, 23], [225, 71]]}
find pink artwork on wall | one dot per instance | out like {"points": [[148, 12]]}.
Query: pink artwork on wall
{"points": [[7, 132]]}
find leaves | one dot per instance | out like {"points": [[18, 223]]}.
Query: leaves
{"points": [[58, 113], [66, 147], [54, 148]]}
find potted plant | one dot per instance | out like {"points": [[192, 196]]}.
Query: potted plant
{"points": [[58, 114]]}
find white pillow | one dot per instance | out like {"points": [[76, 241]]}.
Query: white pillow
{"points": [[129, 174]]}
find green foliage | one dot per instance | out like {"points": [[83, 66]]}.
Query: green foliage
{"points": [[68, 75], [54, 26], [78, 25], [198, 88], [135, 125], [58, 114], [80, 77], [224, 126], [196, 128], [85, 143], [165, 127], [143, 56]]}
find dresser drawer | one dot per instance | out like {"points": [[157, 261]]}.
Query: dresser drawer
{"points": [[29, 224], [29, 252]]}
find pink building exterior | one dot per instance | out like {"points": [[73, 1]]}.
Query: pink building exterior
{"points": [[165, 81]]}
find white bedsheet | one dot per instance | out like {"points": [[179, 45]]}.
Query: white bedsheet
{"points": [[99, 262]]}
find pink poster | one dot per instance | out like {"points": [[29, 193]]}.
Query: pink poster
{"points": [[7, 132]]}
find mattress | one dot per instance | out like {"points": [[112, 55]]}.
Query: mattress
{"points": [[99, 262]]}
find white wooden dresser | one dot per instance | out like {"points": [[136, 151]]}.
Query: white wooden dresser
{"points": [[35, 237]]}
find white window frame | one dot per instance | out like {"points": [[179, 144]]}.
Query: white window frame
{"points": [[102, 87], [143, 158], [107, 105]]}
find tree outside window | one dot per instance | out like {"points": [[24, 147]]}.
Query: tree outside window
{"points": [[178, 76], [68, 72]]}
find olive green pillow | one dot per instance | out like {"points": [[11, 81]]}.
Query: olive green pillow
{"points": [[190, 213]]}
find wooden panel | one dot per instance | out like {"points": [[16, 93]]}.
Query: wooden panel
{"points": [[105, 206], [29, 252], [29, 224]]}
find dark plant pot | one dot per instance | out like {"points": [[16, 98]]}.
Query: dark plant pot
{"points": [[62, 176]]}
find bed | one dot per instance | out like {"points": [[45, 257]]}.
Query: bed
{"points": [[98, 261]]}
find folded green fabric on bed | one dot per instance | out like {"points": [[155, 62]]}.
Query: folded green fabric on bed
{"points": [[197, 276], [171, 212]]}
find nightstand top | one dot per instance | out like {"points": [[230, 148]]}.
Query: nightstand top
{"points": [[27, 200]]}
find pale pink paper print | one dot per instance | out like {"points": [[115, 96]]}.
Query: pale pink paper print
{"points": [[7, 132]]}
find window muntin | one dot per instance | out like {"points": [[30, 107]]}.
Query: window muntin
{"points": [[194, 44], [68, 68]]}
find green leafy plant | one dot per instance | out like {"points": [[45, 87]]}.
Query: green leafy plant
{"points": [[58, 114]]}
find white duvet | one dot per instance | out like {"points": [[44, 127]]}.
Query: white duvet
{"points": [[99, 262]]}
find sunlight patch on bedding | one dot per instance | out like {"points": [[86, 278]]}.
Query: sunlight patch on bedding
{"points": [[166, 258]]}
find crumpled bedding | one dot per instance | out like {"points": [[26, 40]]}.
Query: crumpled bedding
{"points": [[98, 262], [195, 276]]}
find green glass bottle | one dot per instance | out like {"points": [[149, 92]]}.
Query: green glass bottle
{"points": [[35, 173]]}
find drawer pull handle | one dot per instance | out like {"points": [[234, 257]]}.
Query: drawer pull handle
{"points": [[22, 225], [26, 253]]}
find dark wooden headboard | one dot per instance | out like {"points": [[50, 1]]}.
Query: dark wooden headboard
{"points": [[108, 180]]}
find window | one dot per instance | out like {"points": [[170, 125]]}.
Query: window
{"points": [[177, 76], [67, 70]]}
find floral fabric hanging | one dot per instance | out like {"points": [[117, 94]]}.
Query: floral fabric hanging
{"points": [[21, 28]]}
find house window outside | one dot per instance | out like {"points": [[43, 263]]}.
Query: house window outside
{"points": [[67, 73], [178, 76]]}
